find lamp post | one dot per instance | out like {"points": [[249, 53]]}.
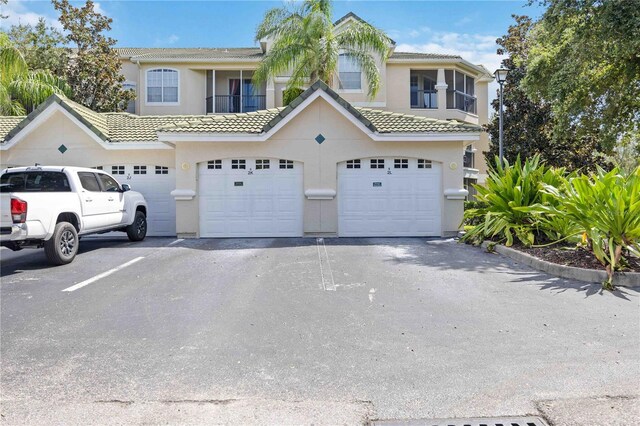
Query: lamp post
{"points": [[501, 77]]}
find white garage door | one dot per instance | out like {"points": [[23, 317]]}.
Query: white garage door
{"points": [[248, 197], [155, 183], [389, 197]]}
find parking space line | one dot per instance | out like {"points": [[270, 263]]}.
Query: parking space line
{"points": [[103, 275], [332, 286], [179, 240]]}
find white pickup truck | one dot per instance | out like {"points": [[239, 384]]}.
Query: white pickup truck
{"points": [[48, 206]]}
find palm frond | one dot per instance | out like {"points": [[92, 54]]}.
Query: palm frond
{"points": [[12, 64], [9, 106], [369, 68], [365, 37], [35, 88]]}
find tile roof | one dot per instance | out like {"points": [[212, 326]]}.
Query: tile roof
{"points": [[416, 55], [7, 124], [186, 53], [248, 122], [262, 121], [124, 127], [108, 126], [393, 122]]}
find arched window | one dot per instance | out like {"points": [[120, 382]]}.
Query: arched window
{"points": [[349, 73], [162, 86]]}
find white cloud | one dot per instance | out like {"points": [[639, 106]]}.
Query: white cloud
{"points": [[97, 7], [17, 12], [475, 48], [165, 41]]}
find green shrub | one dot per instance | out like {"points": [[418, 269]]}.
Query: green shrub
{"points": [[605, 208], [507, 190], [475, 220]]}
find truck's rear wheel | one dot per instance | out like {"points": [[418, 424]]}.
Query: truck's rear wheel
{"points": [[138, 229], [62, 247]]}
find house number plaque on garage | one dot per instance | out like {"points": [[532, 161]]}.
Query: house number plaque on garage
{"points": [[377, 184], [238, 183]]}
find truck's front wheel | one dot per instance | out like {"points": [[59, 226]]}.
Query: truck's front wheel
{"points": [[62, 247], [138, 229]]}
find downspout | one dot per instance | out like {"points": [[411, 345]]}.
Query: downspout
{"points": [[138, 89]]}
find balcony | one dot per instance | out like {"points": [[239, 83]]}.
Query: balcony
{"points": [[424, 99], [229, 92], [462, 101], [422, 84], [235, 103]]}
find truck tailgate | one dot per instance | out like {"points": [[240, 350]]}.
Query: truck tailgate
{"points": [[5, 212]]}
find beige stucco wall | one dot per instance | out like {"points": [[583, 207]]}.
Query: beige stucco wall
{"points": [[192, 92], [361, 97], [41, 146], [130, 72], [295, 141]]}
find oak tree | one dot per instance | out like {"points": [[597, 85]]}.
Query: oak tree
{"points": [[94, 68]]}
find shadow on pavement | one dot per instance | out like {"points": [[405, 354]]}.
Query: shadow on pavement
{"points": [[443, 254]]}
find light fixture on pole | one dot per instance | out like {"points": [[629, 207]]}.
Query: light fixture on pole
{"points": [[501, 77]]}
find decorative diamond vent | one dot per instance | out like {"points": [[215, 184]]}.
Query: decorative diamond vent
{"points": [[62, 149], [320, 138]]}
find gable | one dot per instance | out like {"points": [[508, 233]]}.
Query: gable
{"points": [[320, 118], [44, 141]]}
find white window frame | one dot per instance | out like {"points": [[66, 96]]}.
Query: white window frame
{"points": [[340, 90], [132, 85], [146, 87]]}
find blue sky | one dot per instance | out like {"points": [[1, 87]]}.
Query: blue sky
{"points": [[467, 28]]}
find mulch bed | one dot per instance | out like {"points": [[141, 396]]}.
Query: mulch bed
{"points": [[572, 256]]}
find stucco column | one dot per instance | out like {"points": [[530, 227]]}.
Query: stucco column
{"points": [[187, 214], [271, 94], [441, 87]]}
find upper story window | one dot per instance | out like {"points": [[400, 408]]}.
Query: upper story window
{"points": [[131, 105], [469, 157], [423, 88], [162, 86], [349, 73], [460, 91]]}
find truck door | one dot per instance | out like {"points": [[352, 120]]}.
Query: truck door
{"points": [[95, 204], [115, 199]]}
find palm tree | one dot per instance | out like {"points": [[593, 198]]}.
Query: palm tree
{"points": [[21, 89], [304, 43]]}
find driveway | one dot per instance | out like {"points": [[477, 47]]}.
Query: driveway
{"points": [[279, 330]]}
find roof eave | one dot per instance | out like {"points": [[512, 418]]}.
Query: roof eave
{"points": [[480, 69], [144, 60]]}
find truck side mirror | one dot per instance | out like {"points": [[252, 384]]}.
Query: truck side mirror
{"points": [[126, 187]]}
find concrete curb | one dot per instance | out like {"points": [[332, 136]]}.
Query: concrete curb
{"points": [[622, 279]]}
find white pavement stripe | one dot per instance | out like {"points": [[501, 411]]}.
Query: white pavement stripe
{"points": [[102, 275], [325, 281], [324, 287], [179, 240], [333, 283]]}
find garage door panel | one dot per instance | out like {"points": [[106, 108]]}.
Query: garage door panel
{"points": [[405, 202], [155, 183], [268, 204]]}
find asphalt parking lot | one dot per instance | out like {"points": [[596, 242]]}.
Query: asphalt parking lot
{"points": [[335, 331]]}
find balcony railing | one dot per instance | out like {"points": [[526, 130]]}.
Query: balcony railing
{"points": [[424, 99], [235, 103], [461, 101]]}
